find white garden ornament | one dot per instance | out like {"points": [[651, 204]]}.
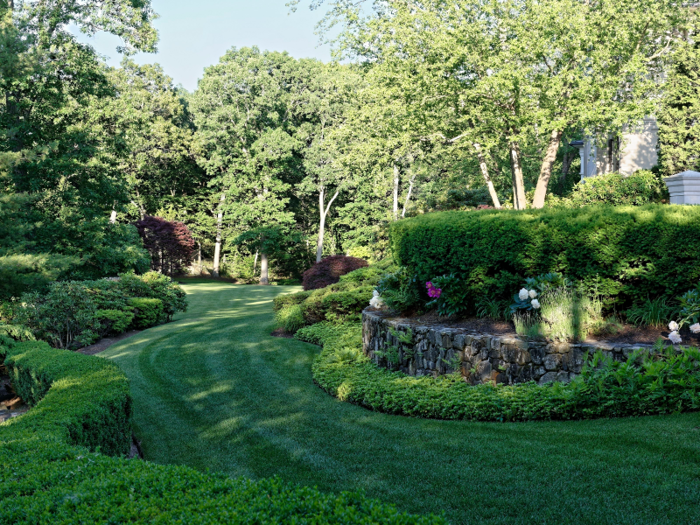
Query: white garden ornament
{"points": [[376, 301]]}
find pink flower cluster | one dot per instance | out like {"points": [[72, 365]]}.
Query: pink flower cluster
{"points": [[432, 291]]}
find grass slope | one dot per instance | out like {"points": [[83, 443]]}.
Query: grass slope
{"points": [[214, 391]]}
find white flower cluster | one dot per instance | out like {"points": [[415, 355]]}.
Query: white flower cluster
{"points": [[524, 294], [675, 337], [376, 301]]}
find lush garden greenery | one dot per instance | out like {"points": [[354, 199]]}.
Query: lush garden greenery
{"points": [[419, 156], [214, 391]]}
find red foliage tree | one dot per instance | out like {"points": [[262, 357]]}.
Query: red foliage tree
{"points": [[329, 270], [170, 244]]}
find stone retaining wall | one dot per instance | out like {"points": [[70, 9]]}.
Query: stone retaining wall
{"points": [[401, 344]]}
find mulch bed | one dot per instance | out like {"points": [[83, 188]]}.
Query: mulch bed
{"points": [[105, 343], [281, 332]]}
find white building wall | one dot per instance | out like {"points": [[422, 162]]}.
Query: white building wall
{"points": [[639, 147]]}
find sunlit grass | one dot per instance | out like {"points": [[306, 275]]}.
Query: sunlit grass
{"points": [[214, 391]]}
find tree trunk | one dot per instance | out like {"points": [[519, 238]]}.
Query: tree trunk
{"points": [[519, 200], [546, 169], [219, 227], [199, 257], [408, 195], [323, 213], [485, 172], [264, 277], [321, 225], [397, 179], [255, 262]]}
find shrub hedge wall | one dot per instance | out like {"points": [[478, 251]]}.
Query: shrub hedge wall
{"points": [[626, 253], [50, 472]]}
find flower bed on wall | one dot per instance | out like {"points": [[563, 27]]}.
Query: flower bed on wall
{"points": [[404, 344]]}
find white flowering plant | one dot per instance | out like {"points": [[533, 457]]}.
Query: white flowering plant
{"points": [[529, 297], [689, 315]]}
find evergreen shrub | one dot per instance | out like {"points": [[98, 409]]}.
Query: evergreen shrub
{"points": [[146, 311], [60, 462], [329, 271], [624, 254]]}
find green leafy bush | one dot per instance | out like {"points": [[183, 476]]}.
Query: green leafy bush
{"points": [[337, 302], [625, 253], [282, 301], [450, 295], [291, 318], [114, 321], [640, 188], [401, 291], [65, 316], [147, 312], [645, 384], [51, 472], [154, 285]]}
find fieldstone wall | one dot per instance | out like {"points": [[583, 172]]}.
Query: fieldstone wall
{"points": [[401, 344]]}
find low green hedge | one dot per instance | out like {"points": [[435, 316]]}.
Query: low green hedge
{"points": [[644, 385], [51, 473], [625, 253]]}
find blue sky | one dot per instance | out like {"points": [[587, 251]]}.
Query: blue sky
{"points": [[194, 34]]}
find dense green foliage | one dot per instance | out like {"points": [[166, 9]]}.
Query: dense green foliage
{"points": [[666, 383], [337, 302], [679, 118], [625, 254], [640, 188], [82, 405], [146, 311], [74, 314]]}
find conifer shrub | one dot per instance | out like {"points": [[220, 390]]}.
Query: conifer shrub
{"points": [[329, 271], [623, 253]]}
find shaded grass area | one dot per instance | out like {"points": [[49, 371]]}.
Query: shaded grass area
{"points": [[214, 391]]}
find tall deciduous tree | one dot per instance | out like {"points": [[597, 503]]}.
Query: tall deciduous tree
{"points": [[246, 131], [516, 73], [679, 117]]}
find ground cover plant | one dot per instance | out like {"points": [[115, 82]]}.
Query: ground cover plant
{"points": [[48, 460], [645, 384], [214, 391]]}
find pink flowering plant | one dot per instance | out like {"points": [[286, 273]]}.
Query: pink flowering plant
{"points": [[448, 294]]}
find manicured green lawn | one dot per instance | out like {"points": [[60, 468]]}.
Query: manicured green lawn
{"points": [[214, 390]]}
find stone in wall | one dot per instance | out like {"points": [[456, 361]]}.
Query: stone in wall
{"points": [[480, 358]]}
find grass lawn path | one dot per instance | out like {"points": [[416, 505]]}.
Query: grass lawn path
{"points": [[213, 390]]}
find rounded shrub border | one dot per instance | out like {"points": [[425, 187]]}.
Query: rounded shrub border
{"points": [[62, 462], [663, 383]]}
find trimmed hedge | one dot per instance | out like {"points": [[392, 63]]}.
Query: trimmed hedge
{"points": [[644, 385], [329, 271], [50, 472], [626, 254]]}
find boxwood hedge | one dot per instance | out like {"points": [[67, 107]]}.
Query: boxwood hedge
{"points": [[626, 253], [55, 464]]}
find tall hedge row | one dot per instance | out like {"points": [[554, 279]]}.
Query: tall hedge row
{"points": [[626, 253], [51, 473]]}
